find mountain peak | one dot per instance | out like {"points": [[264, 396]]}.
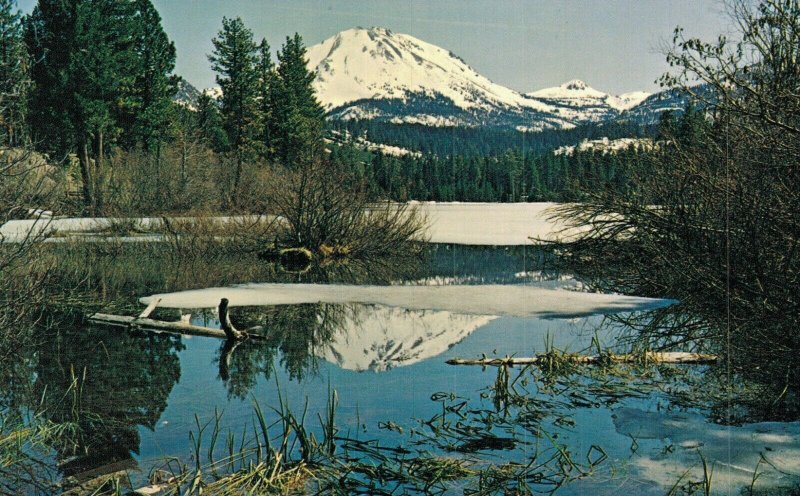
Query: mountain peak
{"points": [[571, 89], [575, 84], [377, 64], [374, 73]]}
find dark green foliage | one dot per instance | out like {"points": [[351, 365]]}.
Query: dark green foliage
{"points": [[14, 77], [266, 101], [510, 177], [482, 141], [101, 72], [209, 126], [234, 60], [150, 102], [296, 115]]}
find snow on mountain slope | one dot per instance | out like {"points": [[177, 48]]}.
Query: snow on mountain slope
{"points": [[215, 92], [605, 146], [571, 90], [627, 101], [377, 63], [589, 103], [380, 75]]}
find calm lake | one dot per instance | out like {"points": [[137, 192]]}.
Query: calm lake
{"points": [[139, 395]]}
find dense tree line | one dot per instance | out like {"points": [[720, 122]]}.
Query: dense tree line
{"points": [[101, 77], [483, 141], [91, 83], [508, 177]]}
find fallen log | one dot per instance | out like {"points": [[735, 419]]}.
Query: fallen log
{"points": [[648, 357], [227, 331]]}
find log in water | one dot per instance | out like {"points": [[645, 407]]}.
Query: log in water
{"points": [[649, 357], [144, 322]]}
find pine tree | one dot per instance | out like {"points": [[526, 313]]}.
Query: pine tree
{"points": [[97, 80], [234, 60], [297, 115], [209, 126], [14, 77], [83, 65], [154, 86], [266, 78]]}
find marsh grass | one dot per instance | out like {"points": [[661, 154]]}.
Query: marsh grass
{"points": [[29, 447]]}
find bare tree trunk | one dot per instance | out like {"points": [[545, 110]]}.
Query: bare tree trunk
{"points": [[237, 176], [86, 176], [98, 162]]}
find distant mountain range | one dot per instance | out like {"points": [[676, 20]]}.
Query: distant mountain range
{"points": [[375, 74]]}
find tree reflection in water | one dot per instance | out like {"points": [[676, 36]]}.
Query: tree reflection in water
{"points": [[106, 383]]}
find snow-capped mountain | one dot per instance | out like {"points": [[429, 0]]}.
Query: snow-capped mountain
{"points": [[377, 74], [391, 77], [591, 104]]}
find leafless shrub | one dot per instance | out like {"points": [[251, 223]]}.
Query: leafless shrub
{"points": [[325, 213]]}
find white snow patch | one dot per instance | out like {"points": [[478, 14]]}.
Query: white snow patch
{"points": [[214, 92], [365, 144], [492, 224], [605, 145], [488, 224], [428, 120], [627, 101], [16, 231]]}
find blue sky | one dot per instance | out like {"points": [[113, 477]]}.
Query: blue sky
{"points": [[614, 45]]}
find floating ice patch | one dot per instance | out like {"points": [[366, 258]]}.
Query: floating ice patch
{"points": [[520, 301]]}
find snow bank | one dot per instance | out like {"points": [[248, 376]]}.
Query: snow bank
{"points": [[515, 300], [16, 231]]}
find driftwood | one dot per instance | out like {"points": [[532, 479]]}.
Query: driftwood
{"points": [[152, 306], [225, 321], [649, 357], [227, 331]]}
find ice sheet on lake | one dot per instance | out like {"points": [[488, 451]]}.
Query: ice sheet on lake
{"points": [[15, 231], [733, 451], [510, 300], [505, 224], [492, 224]]}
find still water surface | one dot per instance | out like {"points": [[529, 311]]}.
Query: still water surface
{"points": [[142, 394]]}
